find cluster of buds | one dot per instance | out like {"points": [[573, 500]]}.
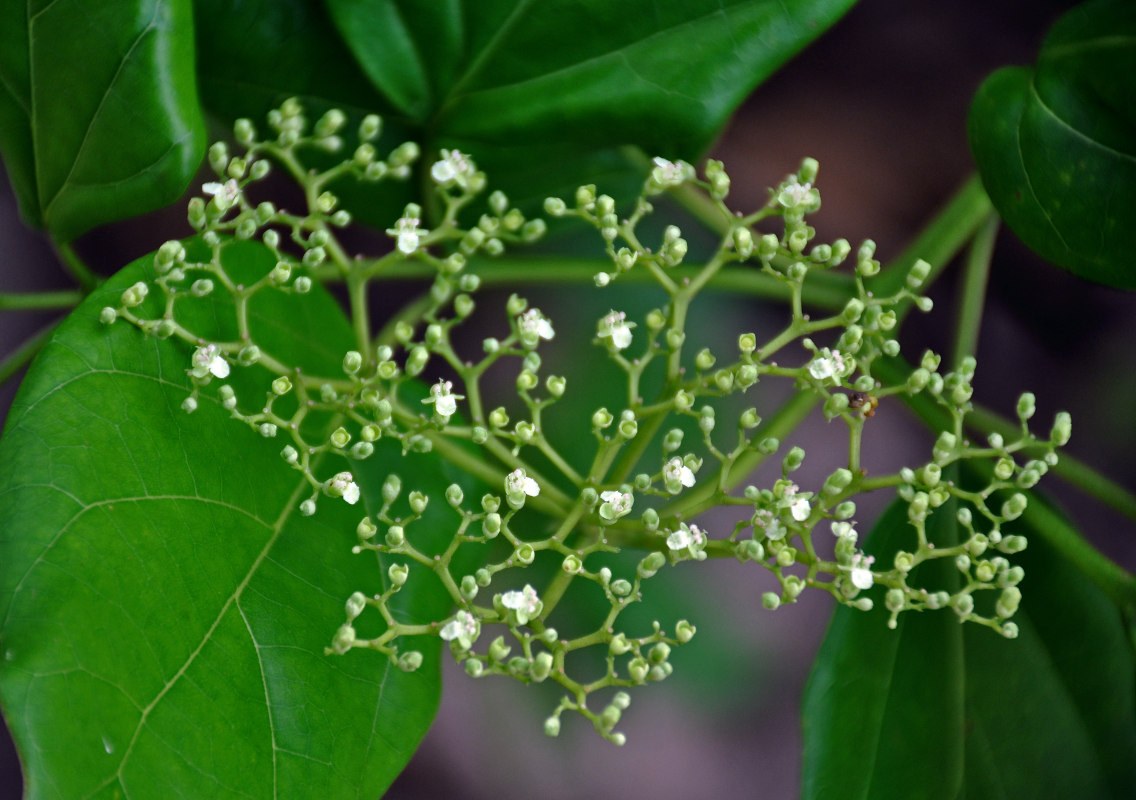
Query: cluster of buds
{"points": [[536, 505]]}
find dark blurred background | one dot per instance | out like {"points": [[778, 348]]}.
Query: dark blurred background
{"points": [[881, 102]]}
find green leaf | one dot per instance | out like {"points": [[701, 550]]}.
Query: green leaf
{"points": [[883, 709], [164, 608], [1056, 144], [523, 85], [253, 55], [99, 110], [1051, 714]]}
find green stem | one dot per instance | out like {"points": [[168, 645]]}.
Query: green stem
{"points": [[24, 353], [973, 300], [780, 425], [1110, 577], [77, 268], [1074, 471], [827, 291], [68, 298], [950, 230]]}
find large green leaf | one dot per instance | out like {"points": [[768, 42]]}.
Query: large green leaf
{"points": [[164, 608], [544, 94], [1056, 144], [935, 709], [99, 119], [883, 709]]}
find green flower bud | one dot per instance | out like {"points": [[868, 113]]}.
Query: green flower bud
{"points": [[571, 564], [416, 361], [343, 640], [525, 554], [619, 644], [396, 536], [621, 587], [135, 295], [308, 507], [601, 419], [793, 459], [552, 727], [541, 666], [1026, 406], [651, 565], [1013, 508], [1062, 429], [637, 670], [894, 600], [468, 587], [340, 438], [1013, 544], [845, 510], [904, 562], [963, 604], [365, 529], [498, 650], [704, 360], [944, 448], [771, 601]]}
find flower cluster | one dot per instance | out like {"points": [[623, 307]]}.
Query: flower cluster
{"points": [[421, 384]]}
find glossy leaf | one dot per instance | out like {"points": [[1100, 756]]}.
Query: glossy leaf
{"points": [[253, 55], [943, 710], [1056, 144], [164, 608], [1053, 712], [883, 709], [528, 87], [99, 109]]}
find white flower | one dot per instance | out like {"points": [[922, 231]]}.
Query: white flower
{"points": [[827, 365], [453, 168], [517, 482], [799, 508], [861, 572], [680, 539], [687, 538], [614, 325], [444, 401], [224, 194], [534, 326], [463, 628], [342, 484], [774, 530], [666, 174], [526, 604], [793, 193], [615, 504], [208, 360], [408, 234], [676, 475]]}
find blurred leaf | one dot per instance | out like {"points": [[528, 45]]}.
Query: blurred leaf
{"points": [[1056, 144], [1051, 714], [164, 609], [99, 110], [883, 709]]}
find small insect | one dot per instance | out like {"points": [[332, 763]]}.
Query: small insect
{"points": [[865, 402]]}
